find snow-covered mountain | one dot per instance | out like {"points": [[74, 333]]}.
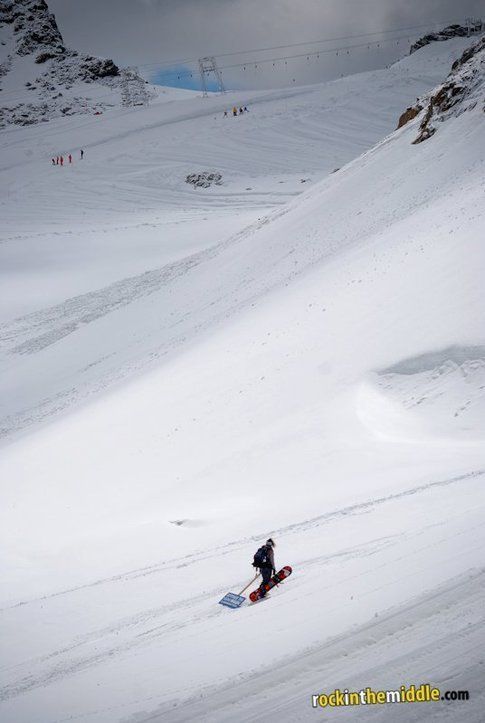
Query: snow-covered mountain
{"points": [[186, 371], [41, 79]]}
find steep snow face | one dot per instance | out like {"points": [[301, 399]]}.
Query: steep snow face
{"points": [[316, 376], [41, 79]]}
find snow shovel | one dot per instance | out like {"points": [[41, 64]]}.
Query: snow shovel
{"points": [[234, 600]]}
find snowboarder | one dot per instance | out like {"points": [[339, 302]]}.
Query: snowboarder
{"points": [[82, 154], [264, 561], [70, 158]]}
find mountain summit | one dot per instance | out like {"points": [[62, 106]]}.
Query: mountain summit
{"points": [[41, 79]]}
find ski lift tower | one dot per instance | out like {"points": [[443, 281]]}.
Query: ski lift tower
{"points": [[206, 66]]}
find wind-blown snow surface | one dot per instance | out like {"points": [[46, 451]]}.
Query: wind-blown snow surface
{"points": [[317, 376]]}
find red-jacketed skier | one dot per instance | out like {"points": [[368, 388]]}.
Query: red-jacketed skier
{"points": [[264, 561]]}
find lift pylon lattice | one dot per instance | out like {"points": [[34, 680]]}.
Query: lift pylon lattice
{"points": [[206, 67]]}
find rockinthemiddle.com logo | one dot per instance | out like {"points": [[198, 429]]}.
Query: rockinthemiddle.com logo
{"points": [[423, 693]]}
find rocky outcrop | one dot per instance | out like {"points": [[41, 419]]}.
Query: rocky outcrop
{"points": [[205, 179], [34, 26], [95, 68], [463, 89], [451, 31], [409, 114], [58, 87]]}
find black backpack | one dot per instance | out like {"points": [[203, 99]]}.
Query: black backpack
{"points": [[261, 557]]}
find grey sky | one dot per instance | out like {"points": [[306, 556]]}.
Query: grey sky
{"points": [[144, 31]]}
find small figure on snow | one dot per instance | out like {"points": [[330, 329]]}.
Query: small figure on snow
{"points": [[234, 111], [53, 161], [264, 561], [70, 158], [82, 154], [245, 109], [57, 160], [62, 160], [225, 114]]}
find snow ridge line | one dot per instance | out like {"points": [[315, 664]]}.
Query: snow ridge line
{"points": [[227, 548]]}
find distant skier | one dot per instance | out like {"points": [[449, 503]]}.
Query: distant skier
{"points": [[53, 161], [264, 561], [57, 160], [70, 158], [225, 114], [82, 154], [234, 111], [62, 160], [240, 111], [245, 109]]}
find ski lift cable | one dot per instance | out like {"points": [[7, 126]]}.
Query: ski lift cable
{"points": [[285, 58], [16, 94], [296, 45], [190, 73]]}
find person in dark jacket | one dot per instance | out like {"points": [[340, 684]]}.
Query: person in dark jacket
{"points": [[267, 567]]}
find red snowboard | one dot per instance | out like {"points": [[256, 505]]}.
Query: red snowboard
{"points": [[275, 580]]}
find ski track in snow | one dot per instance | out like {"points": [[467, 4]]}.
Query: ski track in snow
{"points": [[228, 548], [317, 670], [151, 626]]}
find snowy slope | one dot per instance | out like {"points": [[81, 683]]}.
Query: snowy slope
{"points": [[318, 376]]}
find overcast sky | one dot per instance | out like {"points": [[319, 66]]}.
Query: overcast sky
{"points": [[140, 32]]}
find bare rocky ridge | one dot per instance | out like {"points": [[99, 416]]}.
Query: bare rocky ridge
{"points": [[451, 31], [463, 89], [59, 76]]}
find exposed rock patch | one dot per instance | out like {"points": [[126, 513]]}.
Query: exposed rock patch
{"points": [[204, 179], [409, 114], [451, 31], [463, 90]]}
